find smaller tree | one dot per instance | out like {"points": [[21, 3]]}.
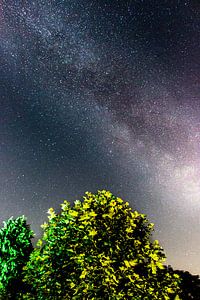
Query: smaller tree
{"points": [[15, 249]]}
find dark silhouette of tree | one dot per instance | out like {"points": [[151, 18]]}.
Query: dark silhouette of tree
{"points": [[190, 284]]}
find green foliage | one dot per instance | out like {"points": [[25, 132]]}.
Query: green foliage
{"points": [[99, 249], [15, 248]]}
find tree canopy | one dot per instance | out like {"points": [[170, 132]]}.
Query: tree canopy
{"points": [[98, 249]]}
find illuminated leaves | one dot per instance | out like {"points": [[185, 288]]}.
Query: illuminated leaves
{"points": [[86, 206], [51, 213], [39, 243], [44, 225], [92, 232], [153, 267], [65, 205], [83, 274], [130, 263], [129, 230], [73, 213], [15, 248], [96, 248]]}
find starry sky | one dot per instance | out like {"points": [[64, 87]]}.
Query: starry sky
{"points": [[100, 94]]}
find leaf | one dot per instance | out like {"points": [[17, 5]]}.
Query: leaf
{"points": [[86, 205], [133, 263], [153, 267], [83, 274], [92, 232], [170, 290], [160, 265], [129, 230], [73, 213], [127, 263], [93, 214]]}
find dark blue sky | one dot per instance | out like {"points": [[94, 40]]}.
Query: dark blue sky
{"points": [[103, 95]]}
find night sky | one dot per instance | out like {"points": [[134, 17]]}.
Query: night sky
{"points": [[103, 95]]}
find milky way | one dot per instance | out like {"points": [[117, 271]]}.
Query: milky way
{"points": [[103, 95]]}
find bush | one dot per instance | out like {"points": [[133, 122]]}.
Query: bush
{"points": [[15, 248], [99, 249]]}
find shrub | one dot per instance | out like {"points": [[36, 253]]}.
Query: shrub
{"points": [[15, 248], [99, 249]]}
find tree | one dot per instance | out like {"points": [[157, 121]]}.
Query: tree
{"points": [[190, 284], [98, 249], [15, 248]]}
